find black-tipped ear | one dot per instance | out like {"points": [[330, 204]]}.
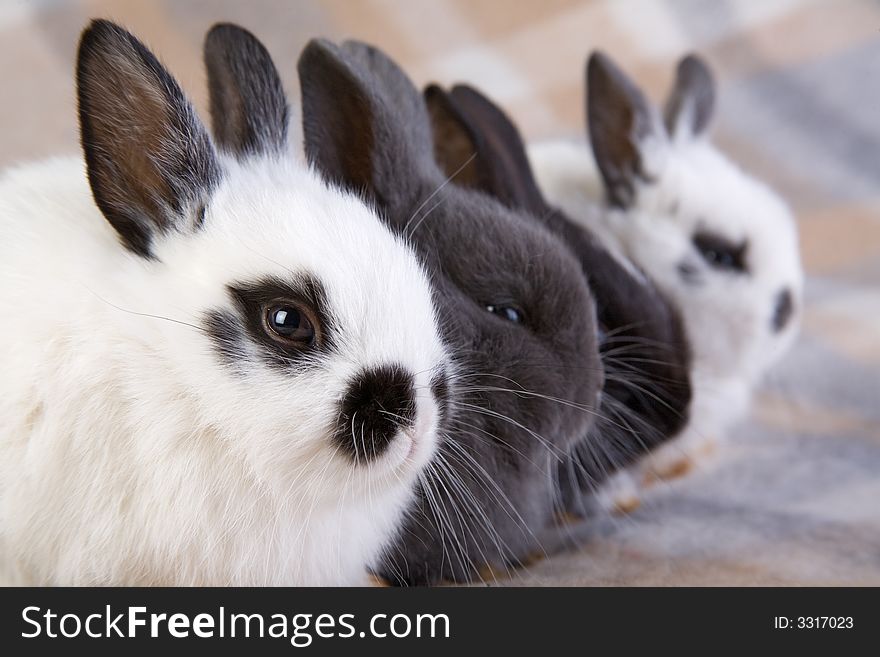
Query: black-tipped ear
{"points": [[620, 121], [477, 143], [151, 164], [365, 125], [249, 110], [692, 101]]}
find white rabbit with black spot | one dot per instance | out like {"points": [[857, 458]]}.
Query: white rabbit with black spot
{"points": [[217, 368], [720, 244]]}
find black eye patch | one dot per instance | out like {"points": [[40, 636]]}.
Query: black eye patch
{"points": [[720, 252], [229, 330]]}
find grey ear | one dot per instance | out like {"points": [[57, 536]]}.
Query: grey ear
{"points": [[364, 123], [692, 101], [151, 164], [478, 144], [249, 110], [457, 148], [620, 121]]}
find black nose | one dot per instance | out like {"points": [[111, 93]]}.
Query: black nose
{"points": [[379, 402], [783, 310]]}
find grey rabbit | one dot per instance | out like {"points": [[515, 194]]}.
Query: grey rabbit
{"points": [[644, 349], [515, 309]]}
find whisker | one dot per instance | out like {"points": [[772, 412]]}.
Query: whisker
{"points": [[437, 191]]}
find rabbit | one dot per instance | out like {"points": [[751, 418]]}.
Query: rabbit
{"points": [[516, 313], [645, 354], [720, 244], [242, 376]]}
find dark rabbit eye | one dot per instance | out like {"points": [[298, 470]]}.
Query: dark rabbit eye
{"points": [[290, 325], [720, 252], [723, 259], [510, 313]]}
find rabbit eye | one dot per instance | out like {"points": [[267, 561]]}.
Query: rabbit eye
{"points": [[286, 319], [290, 325], [721, 253], [508, 312]]}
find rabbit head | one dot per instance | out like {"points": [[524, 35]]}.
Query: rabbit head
{"points": [[515, 310]]}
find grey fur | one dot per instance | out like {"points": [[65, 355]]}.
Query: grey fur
{"points": [[645, 401]]}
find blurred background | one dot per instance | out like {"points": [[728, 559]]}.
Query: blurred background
{"points": [[794, 498]]}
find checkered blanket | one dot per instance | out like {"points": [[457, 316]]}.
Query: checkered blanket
{"points": [[794, 498]]}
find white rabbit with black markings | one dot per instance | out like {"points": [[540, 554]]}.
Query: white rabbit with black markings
{"points": [[217, 369], [720, 244]]}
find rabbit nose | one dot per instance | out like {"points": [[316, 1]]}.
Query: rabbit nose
{"points": [[379, 403], [783, 310]]}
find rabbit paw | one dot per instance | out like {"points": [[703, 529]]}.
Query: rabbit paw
{"points": [[625, 504], [668, 467], [620, 494]]}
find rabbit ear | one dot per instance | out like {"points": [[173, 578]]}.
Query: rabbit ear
{"points": [[623, 127], [364, 123], [692, 101], [150, 162], [456, 146], [249, 110], [478, 144]]}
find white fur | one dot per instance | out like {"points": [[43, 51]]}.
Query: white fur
{"points": [[130, 454], [727, 316]]}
